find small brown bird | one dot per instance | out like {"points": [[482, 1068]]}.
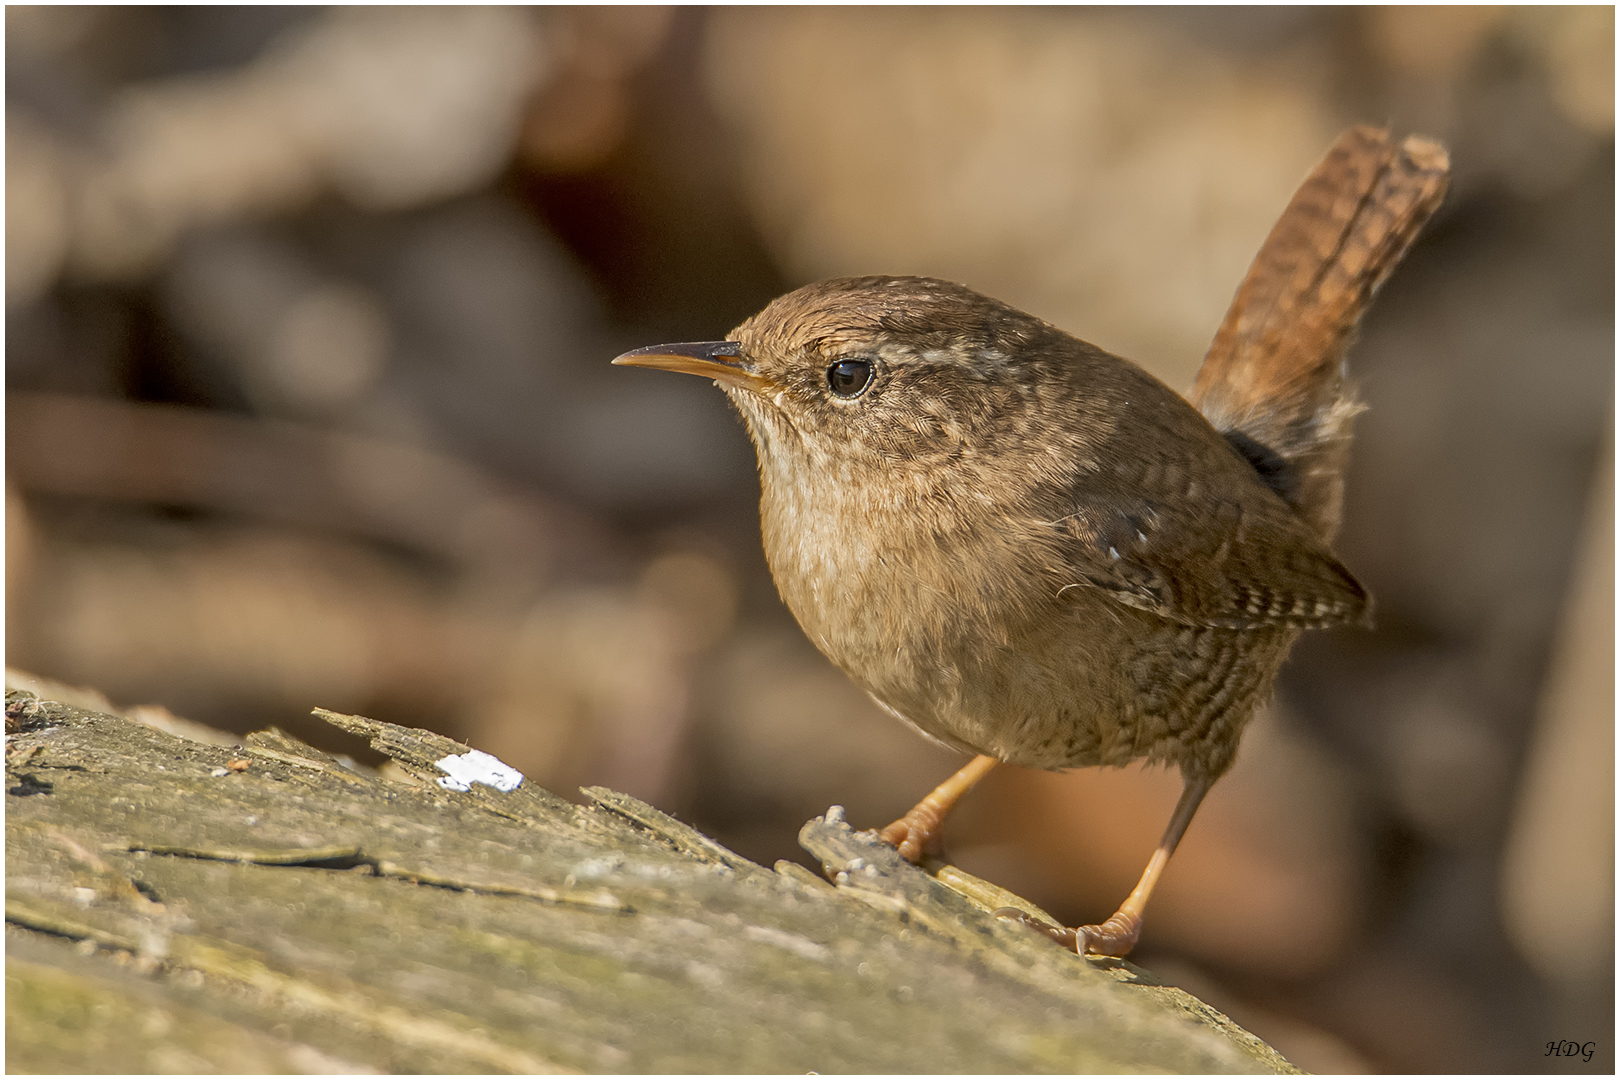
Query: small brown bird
{"points": [[1034, 551]]}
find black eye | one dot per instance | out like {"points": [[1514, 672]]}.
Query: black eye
{"points": [[849, 378]]}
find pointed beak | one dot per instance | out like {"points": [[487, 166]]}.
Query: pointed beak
{"points": [[718, 360]]}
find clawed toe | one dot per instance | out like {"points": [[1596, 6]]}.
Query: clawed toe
{"points": [[1062, 935], [920, 832], [913, 836], [1115, 937]]}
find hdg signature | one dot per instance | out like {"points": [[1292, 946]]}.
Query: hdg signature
{"points": [[1570, 1048]]}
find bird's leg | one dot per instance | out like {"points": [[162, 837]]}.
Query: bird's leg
{"points": [[1117, 935], [920, 830]]}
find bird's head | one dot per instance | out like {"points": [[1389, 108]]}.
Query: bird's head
{"points": [[878, 370]]}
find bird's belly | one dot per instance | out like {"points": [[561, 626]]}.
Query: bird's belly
{"points": [[979, 640], [1039, 694], [1081, 681]]}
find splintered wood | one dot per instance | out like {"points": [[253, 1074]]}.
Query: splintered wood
{"points": [[167, 913]]}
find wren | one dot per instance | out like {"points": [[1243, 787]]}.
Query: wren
{"points": [[1033, 551]]}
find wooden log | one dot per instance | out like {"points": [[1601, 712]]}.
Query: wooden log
{"points": [[175, 905]]}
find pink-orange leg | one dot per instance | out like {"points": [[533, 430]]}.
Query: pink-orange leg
{"points": [[920, 831], [1119, 933]]}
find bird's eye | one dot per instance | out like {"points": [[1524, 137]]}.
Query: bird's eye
{"points": [[850, 378]]}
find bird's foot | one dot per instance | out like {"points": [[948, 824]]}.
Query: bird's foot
{"points": [[1115, 937], [917, 834], [920, 833]]}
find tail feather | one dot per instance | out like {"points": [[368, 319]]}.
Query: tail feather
{"points": [[1274, 378]]}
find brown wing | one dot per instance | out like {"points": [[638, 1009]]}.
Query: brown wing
{"points": [[1239, 558]]}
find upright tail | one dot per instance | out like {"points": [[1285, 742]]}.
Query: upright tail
{"points": [[1274, 380]]}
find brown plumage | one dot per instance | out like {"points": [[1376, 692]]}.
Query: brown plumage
{"points": [[1016, 542], [1275, 372], [1034, 551]]}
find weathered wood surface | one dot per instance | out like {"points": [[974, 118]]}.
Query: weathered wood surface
{"points": [[167, 913]]}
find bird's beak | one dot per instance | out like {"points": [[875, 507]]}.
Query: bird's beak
{"points": [[718, 360]]}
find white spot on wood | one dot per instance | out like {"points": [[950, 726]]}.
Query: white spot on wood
{"points": [[476, 767]]}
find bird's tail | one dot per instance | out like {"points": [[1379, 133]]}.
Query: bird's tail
{"points": [[1274, 379]]}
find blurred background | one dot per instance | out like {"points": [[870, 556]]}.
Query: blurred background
{"points": [[308, 315]]}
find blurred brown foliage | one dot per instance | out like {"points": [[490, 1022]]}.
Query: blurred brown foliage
{"points": [[307, 320]]}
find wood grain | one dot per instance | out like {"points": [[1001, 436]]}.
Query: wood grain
{"points": [[166, 913]]}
